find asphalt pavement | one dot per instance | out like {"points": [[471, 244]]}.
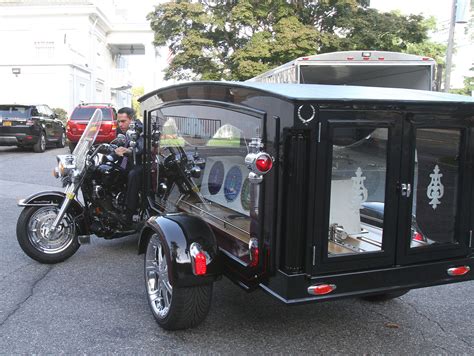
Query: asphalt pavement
{"points": [[95, 302]]}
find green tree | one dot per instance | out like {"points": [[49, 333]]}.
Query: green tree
{"points": [[468, 85], [62, 114], [229, 39], [136, 93]]}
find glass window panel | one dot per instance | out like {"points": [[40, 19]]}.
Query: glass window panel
{"points": [[435, 192], [217, 138], [359, 168]]}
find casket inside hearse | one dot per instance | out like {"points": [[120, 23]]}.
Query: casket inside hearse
{"points": [[309, 192]]}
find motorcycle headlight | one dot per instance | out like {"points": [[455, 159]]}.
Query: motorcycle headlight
{"points": [[66, 164], [59, 171]]}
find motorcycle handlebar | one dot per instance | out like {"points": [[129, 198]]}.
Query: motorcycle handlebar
{"points": [[106, 148]]}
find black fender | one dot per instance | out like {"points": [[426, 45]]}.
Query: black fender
{"points": [[177, 232], [55, 198]]}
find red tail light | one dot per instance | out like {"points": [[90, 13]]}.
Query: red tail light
{"points": [[71, 126], [200, 266], [259, 163], [263, 163], [105, 128], [458, 271], [417, 236], [198, 259], [254, 252], [321, 289]]}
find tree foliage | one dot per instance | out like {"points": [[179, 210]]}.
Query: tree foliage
{"points": [[238, 39], [136, 93], [468, 85], [62, 114]]}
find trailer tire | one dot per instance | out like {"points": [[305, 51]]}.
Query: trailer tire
{"points": [[173, 308], [383, 297]]}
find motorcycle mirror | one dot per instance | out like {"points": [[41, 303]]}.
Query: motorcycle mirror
{"points": [[196, 172], [105, 148], [121, 140]]}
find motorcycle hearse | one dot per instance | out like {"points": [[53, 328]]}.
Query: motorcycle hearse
{"points": [[309, 192]]}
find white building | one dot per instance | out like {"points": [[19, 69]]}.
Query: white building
{"points": [[63, 52]]}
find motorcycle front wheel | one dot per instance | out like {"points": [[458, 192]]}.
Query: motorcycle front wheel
{"points": [[33, 234]]}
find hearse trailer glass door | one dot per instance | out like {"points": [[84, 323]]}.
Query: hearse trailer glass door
{"points": [[216, 137], [357, 215], [436, 185], [396, 190]]}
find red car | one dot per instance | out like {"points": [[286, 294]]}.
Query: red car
{"points": [[81, 116]]}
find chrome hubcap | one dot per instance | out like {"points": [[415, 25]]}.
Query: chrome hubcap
{"points": [[40, 234], [43, 142], [63, 139], [158, 286]]}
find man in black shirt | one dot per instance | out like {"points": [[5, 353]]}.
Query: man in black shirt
{"points": [[125, 116]]}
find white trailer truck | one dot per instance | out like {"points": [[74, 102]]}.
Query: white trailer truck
{"points": [[364, 68]]}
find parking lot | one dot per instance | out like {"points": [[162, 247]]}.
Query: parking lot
{"points": [[95, 302]]}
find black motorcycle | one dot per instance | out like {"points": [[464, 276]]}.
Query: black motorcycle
{"points": [[54, 224]]}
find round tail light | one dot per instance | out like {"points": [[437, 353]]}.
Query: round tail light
{"points": [[263, 163]]}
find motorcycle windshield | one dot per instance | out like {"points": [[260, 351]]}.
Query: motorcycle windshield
{"points": [[87, 139]]}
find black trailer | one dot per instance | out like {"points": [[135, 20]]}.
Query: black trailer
{"points": [[310, 192]]}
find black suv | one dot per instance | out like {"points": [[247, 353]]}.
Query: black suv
{"points": [[30, 126]]}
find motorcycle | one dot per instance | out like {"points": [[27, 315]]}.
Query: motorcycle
{"points": [[54, 224]]}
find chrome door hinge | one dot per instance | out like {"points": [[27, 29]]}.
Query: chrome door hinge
{"points": [[319, 132], [405, 189], [314, 255]]}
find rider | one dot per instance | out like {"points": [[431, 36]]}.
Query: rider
{"points": [[125, 116]]}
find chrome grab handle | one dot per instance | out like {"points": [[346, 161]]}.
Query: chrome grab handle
{"points": [[405, 189]]}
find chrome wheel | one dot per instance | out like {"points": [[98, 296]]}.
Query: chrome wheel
{"points": [[39, 231], [43, 142], [159, 289]]}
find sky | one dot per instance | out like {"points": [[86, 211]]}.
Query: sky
{"points": [[463, 58], [440, 9]]}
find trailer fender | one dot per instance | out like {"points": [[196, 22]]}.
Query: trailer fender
{"points": [[177, 232]]}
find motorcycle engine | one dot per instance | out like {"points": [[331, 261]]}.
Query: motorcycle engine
{"points": [[106, 193], [119, 201]]}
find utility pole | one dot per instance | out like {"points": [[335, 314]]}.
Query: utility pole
{"points": [[459, 14], [449, 52]]}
